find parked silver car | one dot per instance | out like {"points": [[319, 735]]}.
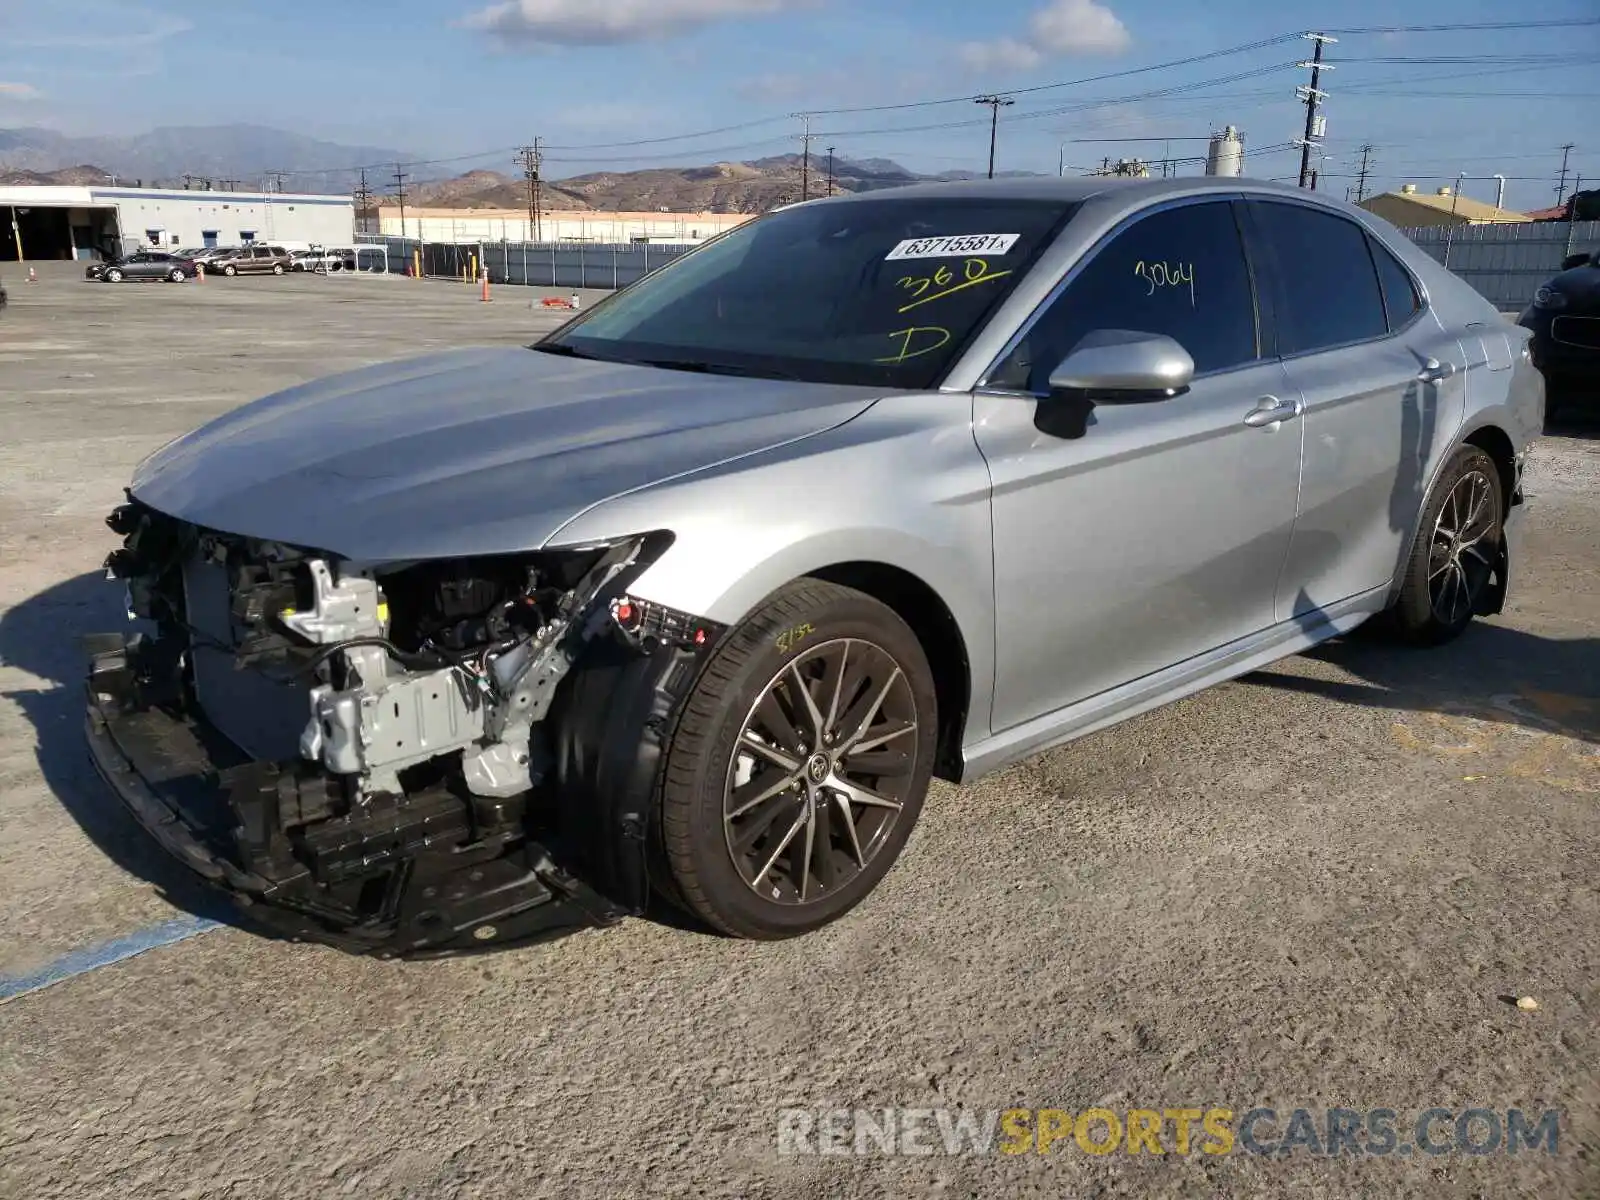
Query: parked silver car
{"points": [[694, 596]]}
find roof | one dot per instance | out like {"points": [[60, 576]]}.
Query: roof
{"points": [[1556, 213], [1463, 208]]}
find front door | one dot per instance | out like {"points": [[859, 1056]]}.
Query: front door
{"points": [[1161, 531], [1383, 395]]}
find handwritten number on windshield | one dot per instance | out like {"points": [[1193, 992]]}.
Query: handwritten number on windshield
{"points": [[1163, 275], [974, 272], [918, 339]]}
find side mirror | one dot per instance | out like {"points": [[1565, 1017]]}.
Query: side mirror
{"points": [[1576, 260], [1124, 365]]}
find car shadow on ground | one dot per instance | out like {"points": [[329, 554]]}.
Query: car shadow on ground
{"points": [[1490, 673], [41, 636], [1577, 413]]}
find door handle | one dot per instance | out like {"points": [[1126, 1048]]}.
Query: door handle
{"points": [[1270, 411], [1433, 371]]}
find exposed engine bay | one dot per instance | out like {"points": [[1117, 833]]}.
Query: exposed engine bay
{"points": [[413, 757]]}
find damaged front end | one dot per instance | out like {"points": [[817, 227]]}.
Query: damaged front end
{"points": [[396, 758]]}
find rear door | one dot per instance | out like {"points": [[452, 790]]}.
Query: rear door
{"points": [[1382, 388]]}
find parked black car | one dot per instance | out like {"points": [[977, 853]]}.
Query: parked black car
{"points": [[143, 265], [1565, 320], [2, 295]]}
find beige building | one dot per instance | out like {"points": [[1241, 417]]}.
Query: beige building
{"points": [[1410, 209], [472, 225]]}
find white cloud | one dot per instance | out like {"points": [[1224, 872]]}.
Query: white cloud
{"points": [[18, 91], [1060, 28], [609, 22], [1002, 54], [87, 25]]}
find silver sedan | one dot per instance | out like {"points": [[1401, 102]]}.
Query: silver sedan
{"points": [[692, 598]]}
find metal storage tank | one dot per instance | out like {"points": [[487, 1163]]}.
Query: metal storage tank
{"points": [[1225, 154]]}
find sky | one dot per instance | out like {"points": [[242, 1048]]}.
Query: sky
{"points": [[617, 84]]}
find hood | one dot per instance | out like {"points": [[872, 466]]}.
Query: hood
{"points": [[1581, 286], [482, 451]]}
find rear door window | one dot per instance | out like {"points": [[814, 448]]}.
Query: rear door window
{"points": [[1327, 285], [1400, 299]]}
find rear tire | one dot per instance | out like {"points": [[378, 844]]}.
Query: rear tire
{"points": [[1459, 551], [770, 826]]}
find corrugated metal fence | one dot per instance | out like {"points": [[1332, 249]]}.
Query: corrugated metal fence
{"points": [[538, 264], [1505, 263]]}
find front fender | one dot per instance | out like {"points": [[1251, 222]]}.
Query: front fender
{"points": [[902, 485]]}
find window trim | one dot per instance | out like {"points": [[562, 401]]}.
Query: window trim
{"points": [[1229, 199], [1270, 258]]}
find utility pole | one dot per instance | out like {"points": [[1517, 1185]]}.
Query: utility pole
{"points": [[995, 103], [531, 157], [1313, 97], [830, 170], [400, 191], [363, 202], [1561, 186], [1366, 166], [805, 155]]}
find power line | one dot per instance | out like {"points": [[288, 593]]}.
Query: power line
{"points": [[1361, 179], [995, 103], [400, 178], [1561, 185], [1313, 98], [531, 157], [805, 155], [363, 202], [1467, 26]]}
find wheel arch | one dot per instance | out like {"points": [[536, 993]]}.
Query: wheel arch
{"points": [[916, 603], [1496, 443]]}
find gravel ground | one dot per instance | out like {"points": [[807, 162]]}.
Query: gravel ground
{"points": [[1322, 885]]}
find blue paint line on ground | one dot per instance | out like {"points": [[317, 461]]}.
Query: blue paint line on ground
{"points": [[92, 958]]}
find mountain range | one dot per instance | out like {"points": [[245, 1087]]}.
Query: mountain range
{"points": [[248, 155]]}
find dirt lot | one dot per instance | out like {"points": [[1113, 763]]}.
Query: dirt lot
{"points": [[1323, 885]]}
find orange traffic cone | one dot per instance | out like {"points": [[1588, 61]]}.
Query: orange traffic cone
{"points": [[33, 276], [485, 296]]}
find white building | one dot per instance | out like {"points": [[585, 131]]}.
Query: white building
{"points": [[42, 223], [469, 225]]}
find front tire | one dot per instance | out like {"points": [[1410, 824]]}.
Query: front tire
{"points": [[277, 268], [113, 276], [1459, 551], [800, 763], [177, 275]]}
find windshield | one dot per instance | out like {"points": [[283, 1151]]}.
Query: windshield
{"points": [[876, 292]]}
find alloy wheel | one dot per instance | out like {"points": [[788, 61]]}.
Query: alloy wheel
{"points": [[1459, 559], [821, 771]]}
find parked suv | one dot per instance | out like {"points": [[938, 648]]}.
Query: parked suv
{"points": [[252, 260]]}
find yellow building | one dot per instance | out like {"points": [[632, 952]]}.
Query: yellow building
{"points": [[1411, 209], [472, 225]]}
